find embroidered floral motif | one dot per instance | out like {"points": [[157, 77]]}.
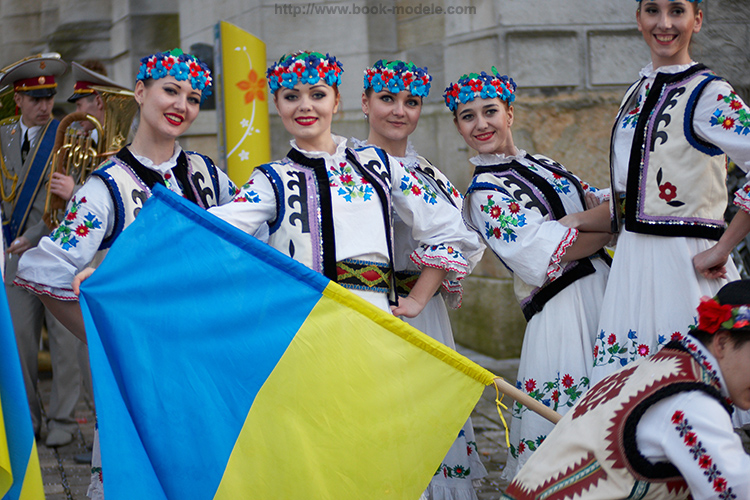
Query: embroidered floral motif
{"points": [[667, 191], [560, 183], [452, 252], [737, 117], [610, 349], [458, 471], [506, 221], [559, 392], [67, 231], [705, 462], [525, 445], [348, 185], [246, 194], [631, 118], [412, 184]]}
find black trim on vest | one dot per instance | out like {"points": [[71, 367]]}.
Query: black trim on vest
{"points": [[181, 173], [661, 470], [583, 267], [378, 187], [614, 195], [429, 172], [637, 152], [328, 236]]}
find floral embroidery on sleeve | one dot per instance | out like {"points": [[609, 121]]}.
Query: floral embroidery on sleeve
{"points": [[742, 198], [705, 462], [73, 227], [506, 220], [246, 194], [350, 186], [411, 184], [736, 117]]}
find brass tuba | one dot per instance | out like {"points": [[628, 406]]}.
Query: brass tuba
{"points": [[74, 152]]}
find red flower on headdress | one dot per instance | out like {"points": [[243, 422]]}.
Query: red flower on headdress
{"points": [[254, 87], [711, 315], [476, 85]]}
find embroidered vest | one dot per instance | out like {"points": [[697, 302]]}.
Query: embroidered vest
{"points": [[535, 193], [130, 183], [440, 182], [592, 452], [676, 181], [303, 227]]}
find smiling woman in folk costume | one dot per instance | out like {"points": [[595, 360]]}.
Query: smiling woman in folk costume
{"points": [[330, 207], [659, 428], [670, 140], [392, 103], [169, 89], [514, 202]]}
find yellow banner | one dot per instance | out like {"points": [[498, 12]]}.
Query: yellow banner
{"points": [[242, 101]]}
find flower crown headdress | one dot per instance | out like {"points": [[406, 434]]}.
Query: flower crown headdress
{"points": [[304, 67], [713, 316], [179, 65], [396, 76], [483, 86]]}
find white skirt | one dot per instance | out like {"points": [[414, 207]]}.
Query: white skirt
{"points": [[555, 361], [651, 298], [453, 479]]}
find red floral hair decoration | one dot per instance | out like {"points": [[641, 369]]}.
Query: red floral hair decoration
{"points": [[713, 316]]}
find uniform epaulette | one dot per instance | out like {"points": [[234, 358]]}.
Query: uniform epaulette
{"points": [[11, 120]]}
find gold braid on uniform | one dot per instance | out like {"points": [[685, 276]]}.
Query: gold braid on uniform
{"points": [[8, 198]]}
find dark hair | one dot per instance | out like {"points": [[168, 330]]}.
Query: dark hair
{"points": [[734, 293]]}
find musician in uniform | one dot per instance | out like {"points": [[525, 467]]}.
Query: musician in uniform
{"points": [[88, 76], [26, 143]]}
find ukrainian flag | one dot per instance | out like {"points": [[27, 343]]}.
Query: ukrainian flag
{"points": [[20, 476], [223, 369]]}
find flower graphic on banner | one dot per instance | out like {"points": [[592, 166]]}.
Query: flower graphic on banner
{"points": [[255, 89]]}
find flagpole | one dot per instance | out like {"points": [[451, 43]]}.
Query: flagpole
{"points": [[526, 400]]}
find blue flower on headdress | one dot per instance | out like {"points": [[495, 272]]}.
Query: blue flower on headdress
{"points": [[466, 94], [289, 80], [395, 85], [419, 88], [310, 75], [488, 92], [179, 65], [397, 76], [180, 71], [377, 83], [332, 78], [304, 67]]}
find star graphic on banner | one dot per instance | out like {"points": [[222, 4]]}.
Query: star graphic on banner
{"points": [[244, 155], [244, 123]]}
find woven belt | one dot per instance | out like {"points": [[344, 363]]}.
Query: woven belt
{"points": [[405, 281], [364, 275], [620, 203]]}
